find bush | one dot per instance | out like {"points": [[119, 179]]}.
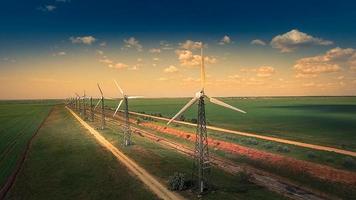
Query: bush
{"points": [[138, 121], [250, 141], [244, 177], [348, 162], [311, 154], [330, 159], [268, 145], [177, 181], [194, 121], [283, 149], [181, 118]]}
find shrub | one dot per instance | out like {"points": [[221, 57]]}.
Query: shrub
{"points": [[283, 149], [250, 141], [311, 154], [268, 145], [182, 118], [348, 162], [330, 159], [138, 121], [177, 181], [244, 177], [194, 121]]}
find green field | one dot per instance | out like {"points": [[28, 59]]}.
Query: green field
{"points": [[327, 121], [163, 162], [65, 162], [19, 120]]}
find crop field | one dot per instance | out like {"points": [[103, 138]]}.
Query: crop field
{"points": [[19, 121], [65, 162], [328, 121]]}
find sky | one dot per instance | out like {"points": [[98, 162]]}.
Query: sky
{"points": [[54, 48]]}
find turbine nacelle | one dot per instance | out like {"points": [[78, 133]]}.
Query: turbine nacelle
{"points": [[124, 96]]}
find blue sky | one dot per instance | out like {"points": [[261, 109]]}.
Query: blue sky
{"points": [[35, 33]]}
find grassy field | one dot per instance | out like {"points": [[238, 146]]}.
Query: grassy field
{"points": [[163, 162], [19, 121], [327, 121], [65, 162], [326, 158]]}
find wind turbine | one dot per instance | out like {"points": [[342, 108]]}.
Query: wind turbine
{"points": [[84, 105], [102, 107], [125, 98], [201, 152], [79, 107]]}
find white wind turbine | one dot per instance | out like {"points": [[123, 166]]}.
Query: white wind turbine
{"points": [[201, 153], [102, 107], [125, 98]]}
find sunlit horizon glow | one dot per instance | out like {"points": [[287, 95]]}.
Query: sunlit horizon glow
{"points": [[291, 60]]}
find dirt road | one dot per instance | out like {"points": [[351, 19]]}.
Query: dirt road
{"points": [[160, 190], [285, 141]]}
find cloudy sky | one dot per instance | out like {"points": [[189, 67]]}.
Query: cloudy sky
{"points": [[53, 48]]}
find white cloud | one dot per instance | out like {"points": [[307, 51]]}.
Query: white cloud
{"points": [[190, 45], [100, 52], [171, 69], [258, 42], [61, 53], [132, 42], [103, 44], [295, 39], [6, 59], [225, 40], [63, 1], [118, 65], [186, 58], [106, 61], [235, 76], [47, 8], [162, 79], [333, 60], [265, 71], [84, 40], [155, 50], [165, 45], [155, 59]]}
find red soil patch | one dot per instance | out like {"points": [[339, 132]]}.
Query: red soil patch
{"points": [[316, 170]]}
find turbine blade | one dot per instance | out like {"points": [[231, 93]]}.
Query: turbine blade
{"points": [[97, 104], [117, 85], [117, 108], [135, 97], [220, 103], [100, 90], [202, 68], [190, 103]]}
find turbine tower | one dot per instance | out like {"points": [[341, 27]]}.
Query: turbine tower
{"points": [[91, 109], [84, 106], [201, 152], [102, 107], [79, 103], [127, 130]]}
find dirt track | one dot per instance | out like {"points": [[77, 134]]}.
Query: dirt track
{"points": [[316, 170], [160, 190], [296, 143]]}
